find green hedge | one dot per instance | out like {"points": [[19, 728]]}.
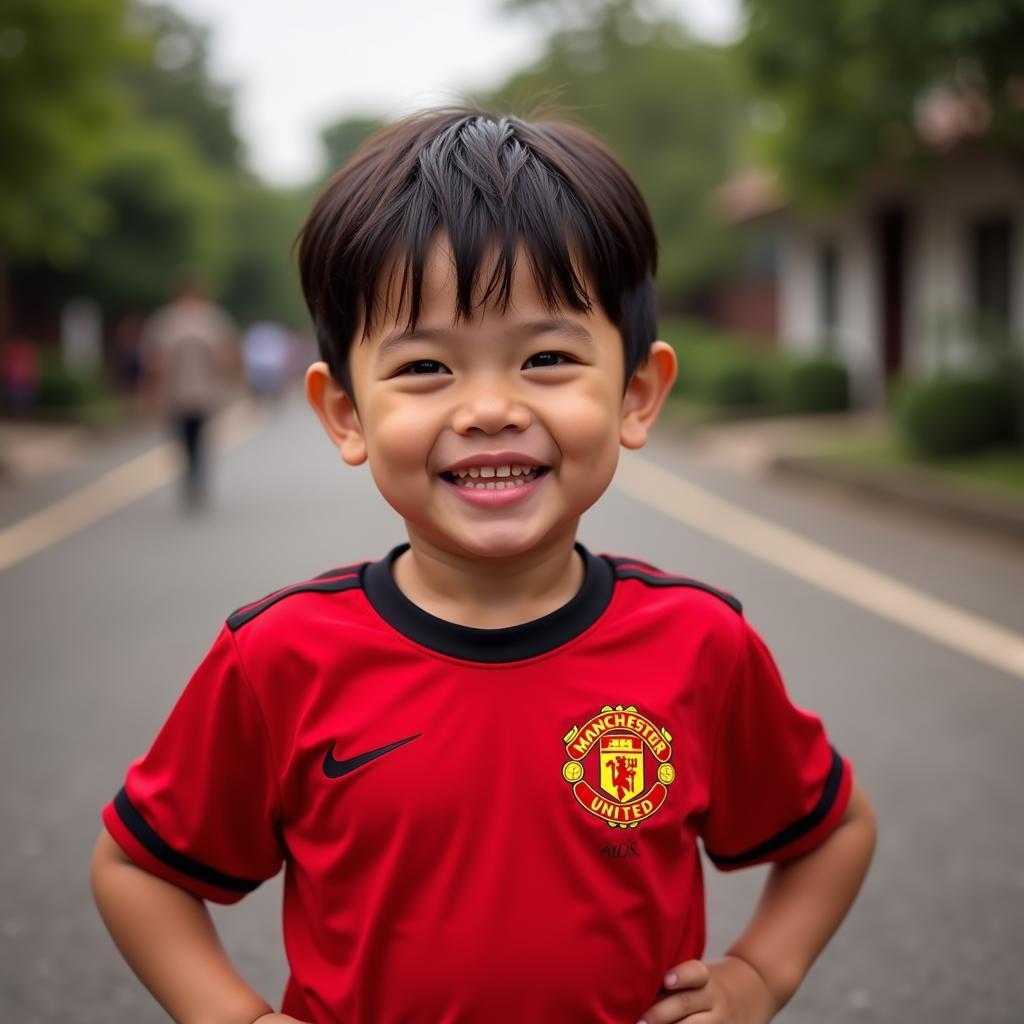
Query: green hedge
{"points": [[816, 385], [64, 389], [730, 374], [955, 415]]}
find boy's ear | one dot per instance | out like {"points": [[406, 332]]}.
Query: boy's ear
{"points": [[645, 395], [337, 413]]}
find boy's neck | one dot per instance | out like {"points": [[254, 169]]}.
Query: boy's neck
{"points": [[489, 593]]}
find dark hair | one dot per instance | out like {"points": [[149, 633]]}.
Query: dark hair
{"points": [[491, 184]]}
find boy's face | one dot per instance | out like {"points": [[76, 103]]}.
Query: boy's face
{"points": [[490, 437]]}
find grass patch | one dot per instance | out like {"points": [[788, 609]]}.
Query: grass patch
{"points": [[105, 412], [997, 471]]}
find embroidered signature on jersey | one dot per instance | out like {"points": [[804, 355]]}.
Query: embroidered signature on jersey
{"points": [[608, 762]]}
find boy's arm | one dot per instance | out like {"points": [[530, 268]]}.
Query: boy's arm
{"points": [[168, 939], [804, 901]]}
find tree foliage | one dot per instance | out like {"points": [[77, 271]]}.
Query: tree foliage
{"points": [[122, 171], [262, 280], [57, 102], [166, 221], [341, 139], [173, 84], [853, 78], [670, 107]]}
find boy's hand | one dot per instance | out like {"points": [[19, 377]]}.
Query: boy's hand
{"points": [[277, 1018], [725, 991]]}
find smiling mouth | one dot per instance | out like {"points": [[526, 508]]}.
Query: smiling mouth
{"points": [[494, 478]]}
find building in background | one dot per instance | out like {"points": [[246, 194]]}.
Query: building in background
{"points": [[913, 273]]}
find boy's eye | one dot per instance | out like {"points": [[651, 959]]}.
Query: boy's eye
{"points": [[423, 366], [547, 359]]}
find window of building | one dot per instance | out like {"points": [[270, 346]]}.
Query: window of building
{"points": [[761, 255], [828, 270], [991, 270]]}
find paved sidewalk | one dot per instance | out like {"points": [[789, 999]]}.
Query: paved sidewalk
{"points": [[755, 446], [788, 446], [29, 451]]}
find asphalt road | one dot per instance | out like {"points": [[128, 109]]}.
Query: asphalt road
{"points": [[100, 630]]}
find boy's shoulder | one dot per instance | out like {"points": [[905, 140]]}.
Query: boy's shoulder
{"points": [[671, 584], [673, 605], [282, 604]]}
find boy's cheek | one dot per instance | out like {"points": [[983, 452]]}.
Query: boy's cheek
{"points": [[587, 430], [400, 433]]}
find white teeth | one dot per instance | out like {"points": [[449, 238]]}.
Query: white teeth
{"points": [[493, 471], [506, 476]]}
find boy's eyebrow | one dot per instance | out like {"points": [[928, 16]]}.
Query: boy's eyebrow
{"points": [[549, 325], [556, 324], [403, 336]]}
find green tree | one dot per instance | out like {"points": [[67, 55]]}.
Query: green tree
{"points": [[341, 139], [122, 170], [262, 279], [670, 107], [58, 101], [167, 218], [173, 84], [851, 79]]}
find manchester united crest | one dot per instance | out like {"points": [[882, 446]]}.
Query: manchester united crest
{"points": [[619, 766]]}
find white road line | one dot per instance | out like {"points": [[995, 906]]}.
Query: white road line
{"points": [[121, 486], [874, 591]]}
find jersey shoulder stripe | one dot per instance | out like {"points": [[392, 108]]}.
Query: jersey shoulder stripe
{"points": [[621, 560], [644, 572], [345, 570], [333, 582]]}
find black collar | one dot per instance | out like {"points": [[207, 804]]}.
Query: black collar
{"points": [[512, 643]]}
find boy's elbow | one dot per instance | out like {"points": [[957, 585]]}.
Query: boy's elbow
{"points": [[108, 850], [860, 817], [859, 808], [106, 854]]}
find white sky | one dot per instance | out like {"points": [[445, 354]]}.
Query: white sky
{"points": [[300, 65]]}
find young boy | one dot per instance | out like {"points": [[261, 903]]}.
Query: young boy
{"points": [[486, 759]]}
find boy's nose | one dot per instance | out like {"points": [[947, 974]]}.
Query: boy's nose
{"points": [[491, 409]]}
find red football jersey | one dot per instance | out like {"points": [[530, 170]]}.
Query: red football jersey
{"points": [[481, 825]]}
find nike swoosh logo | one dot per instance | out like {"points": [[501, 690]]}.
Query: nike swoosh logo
{"points": [[335, 769]]}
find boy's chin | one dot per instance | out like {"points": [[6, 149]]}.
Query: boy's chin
{"points": [[495, 544]]}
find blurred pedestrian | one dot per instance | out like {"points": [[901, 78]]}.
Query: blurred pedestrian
{"points": [[20, 372], [266, 347], [127, 350], [189, 359]]}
